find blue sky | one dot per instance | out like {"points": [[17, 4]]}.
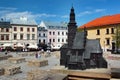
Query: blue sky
{"points": [[58, 10]]}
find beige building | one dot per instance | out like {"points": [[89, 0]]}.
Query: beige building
{"points": [[5, 34], [103, 28], [24, 32]]}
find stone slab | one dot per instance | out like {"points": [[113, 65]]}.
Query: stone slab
{"points": [[38, 63], [11, 70], [45, 75], [16, 60]]}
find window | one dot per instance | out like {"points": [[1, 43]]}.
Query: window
{"points": [[28, 36], [66, 33], [15, 36], [21, 29], [2, 29], [39, 35], [49, 33], [98, 32], [7, 37], [58, 40], [107, 31], [15, 28], [58, 33], [62, 40], [43, 40], [28, 29], [7, 29], [43, 34], [107, 41], [33, 36], [2, 37], [62, 33], [53, 40], [66, 40], [112, 30], [33, 30], [21, 36], [53, 33], [39, 40], [50, 40]]}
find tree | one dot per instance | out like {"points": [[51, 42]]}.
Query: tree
{"points": [[116, 38]]}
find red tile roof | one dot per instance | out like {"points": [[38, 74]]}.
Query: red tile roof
{"points": [[105, 20]]}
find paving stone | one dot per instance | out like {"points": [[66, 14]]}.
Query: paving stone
{"points": [[16, 60]]}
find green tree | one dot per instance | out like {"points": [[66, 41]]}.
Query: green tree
{"points": [[116, 38]]}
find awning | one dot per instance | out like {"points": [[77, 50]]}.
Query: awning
{"points": [[19, 45], [6, 45], [33, 46]]}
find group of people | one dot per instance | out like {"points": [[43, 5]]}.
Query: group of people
{"points": [[38, 54]]}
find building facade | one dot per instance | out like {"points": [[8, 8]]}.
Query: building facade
{"points": [[52, 33], [24, 32], [103, 29], [5, 34]]}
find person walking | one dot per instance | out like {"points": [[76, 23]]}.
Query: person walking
{"points": [[36, 55], [6, 52]]}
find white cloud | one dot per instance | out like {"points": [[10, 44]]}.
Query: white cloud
{"points": [[99, 10], [8, 8], [18, 15], [45, 15], [27, 14], [10, 12], [90, 12], [65, 16], [84, 13]]}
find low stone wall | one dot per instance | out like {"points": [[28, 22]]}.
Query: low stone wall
{"points": [[5, 57], [26, 54], [38, 63], [1, 71], [16, 60], [11, 70]]}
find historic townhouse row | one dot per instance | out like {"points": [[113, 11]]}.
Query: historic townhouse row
{"points": [[27, 34], [18, 33], [52, 33]]}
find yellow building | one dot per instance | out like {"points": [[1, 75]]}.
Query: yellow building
{"points": [[103, 28]]}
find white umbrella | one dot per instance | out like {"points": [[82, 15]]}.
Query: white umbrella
{"points": [[6, 45], [33, 46]]}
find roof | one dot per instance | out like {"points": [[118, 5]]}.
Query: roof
{"points": [[78, 41], [92, 46], [42, 29], [23, 21], [51, 25], [105, 20], [5, 25]]}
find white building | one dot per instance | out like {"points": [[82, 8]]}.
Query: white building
{"points": [[52, 32], [24, 32]]}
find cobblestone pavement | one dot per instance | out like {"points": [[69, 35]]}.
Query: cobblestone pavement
{"points": [[52, 61]]}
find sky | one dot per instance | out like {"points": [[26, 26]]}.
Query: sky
{"points": [[58, 10]]}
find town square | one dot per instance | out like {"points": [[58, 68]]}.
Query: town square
{"points": [[59, 40]]}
